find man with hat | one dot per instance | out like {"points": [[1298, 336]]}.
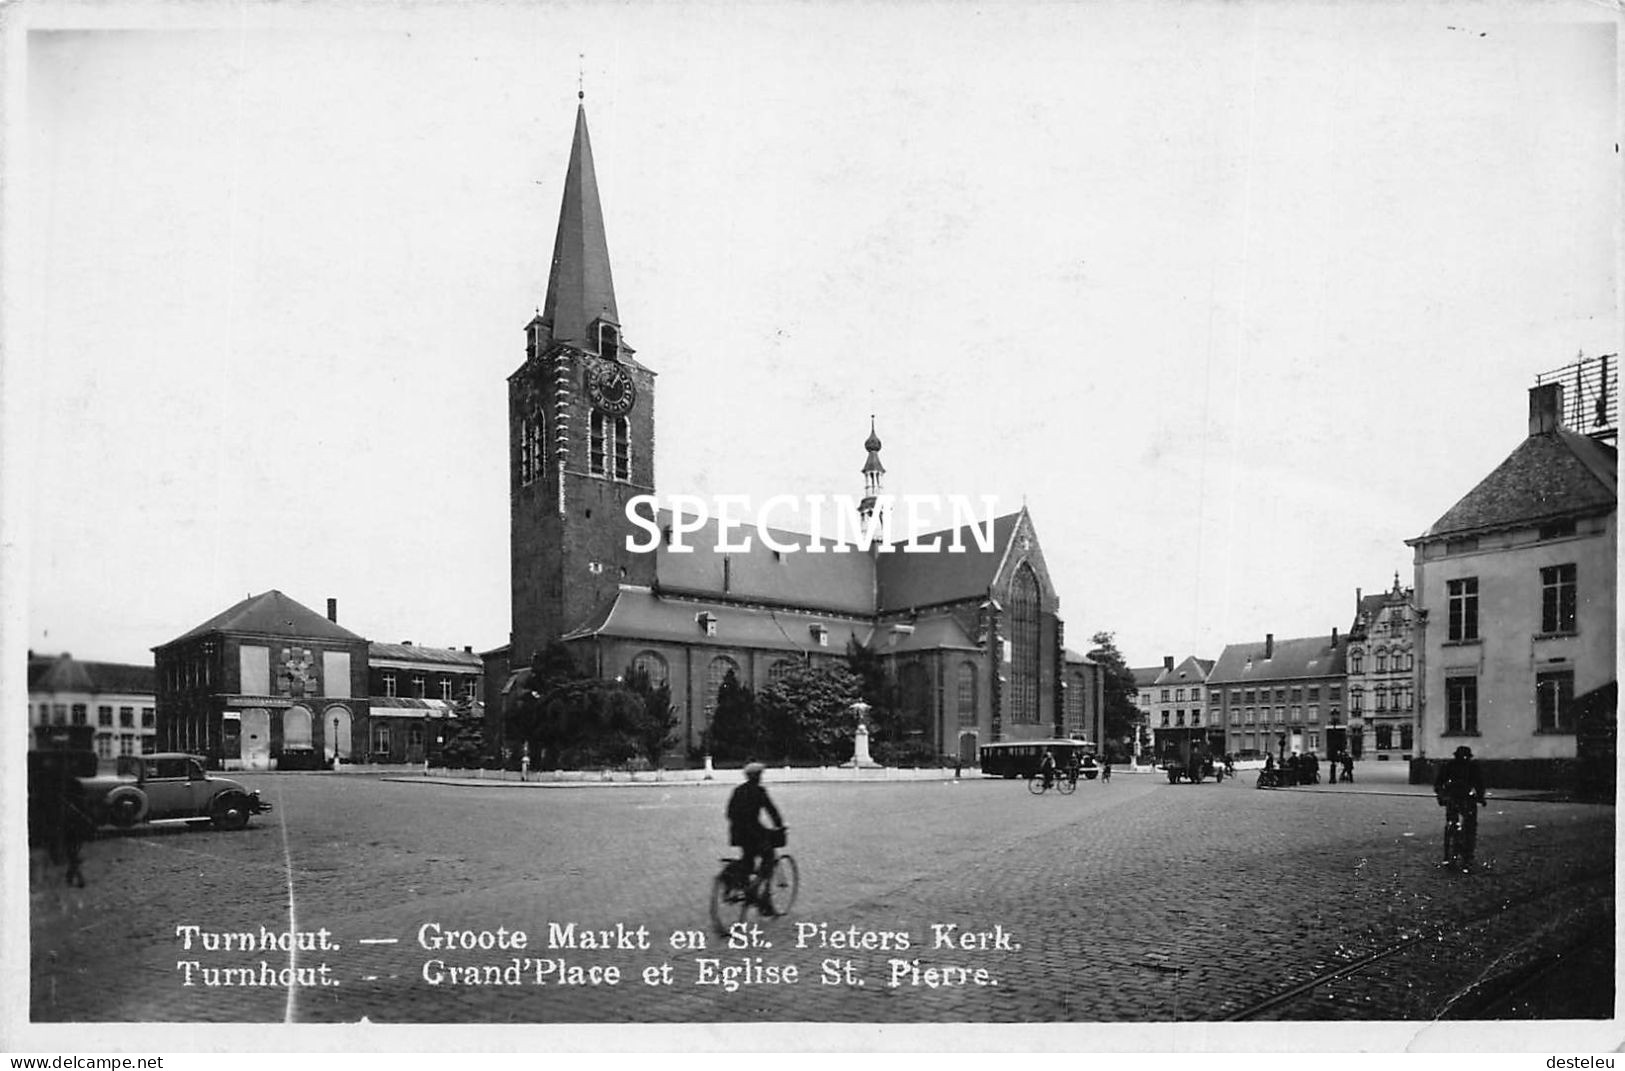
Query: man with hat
{"points": [[745, 830], [1459, 786]]}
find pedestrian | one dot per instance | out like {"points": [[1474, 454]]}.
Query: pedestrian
{"points": [[1106, 771], [1348, 767]]}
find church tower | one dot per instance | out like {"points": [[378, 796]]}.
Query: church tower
{"points": [[580, 433]]}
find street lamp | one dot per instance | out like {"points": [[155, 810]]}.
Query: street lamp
{"points": [[335, 740]]}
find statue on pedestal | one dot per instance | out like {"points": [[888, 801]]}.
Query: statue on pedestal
{"points": [[860, 741]]}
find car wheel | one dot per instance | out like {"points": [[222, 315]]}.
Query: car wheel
{"points": [[230, 812], [126, 810]]}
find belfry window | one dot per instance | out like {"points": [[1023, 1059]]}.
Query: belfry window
{"points": [[596, 458], [623, 449], [609, 342], [531, 456]]}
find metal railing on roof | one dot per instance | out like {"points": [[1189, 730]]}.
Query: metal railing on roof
{"points": [[1590, 394]]}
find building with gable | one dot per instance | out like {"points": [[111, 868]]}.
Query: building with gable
{"points": [[1279, 696], [1516, 589], [974, 638], [108, 706], [1381, 676], [264, 682]]}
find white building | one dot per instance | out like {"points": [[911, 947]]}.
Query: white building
{"points": [[1516, 584], [105, 705]]}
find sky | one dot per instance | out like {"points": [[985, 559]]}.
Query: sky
{"points": [[1235, 298]]}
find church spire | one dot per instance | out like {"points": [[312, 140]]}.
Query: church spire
{"points": [[873, 470], [580, 292]]}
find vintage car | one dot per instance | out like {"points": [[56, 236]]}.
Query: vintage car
{"points": [[171, 785]]}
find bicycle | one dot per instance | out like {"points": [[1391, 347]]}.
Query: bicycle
{"points": [[1064, 783], [776, 888], [1460, 831]]}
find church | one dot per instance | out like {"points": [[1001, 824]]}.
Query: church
{"points": [[974, 640]]}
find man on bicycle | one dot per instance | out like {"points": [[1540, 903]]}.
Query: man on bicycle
{"points": [[1459, 788], [1046, 768], [746, 832]]}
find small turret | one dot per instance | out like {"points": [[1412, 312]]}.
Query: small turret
{"points": [[873, 471]]}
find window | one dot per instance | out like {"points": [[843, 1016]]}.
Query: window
{"points": [[1247, 716], [623, 449], [1557, 529], [967, 695], [1334, 692], [717, 673], [1382, 661], [1314, 693], [104, 719], [1382, 697], [1165, 719], [59, 714], [1297, 716], [1463, 595], [126, 744], [445, 689], [1385, 736], [596, 457], [1314, 713], [1554, 702], [1461, 705], [418, 686], [609, 341], [1297, 695], [380, 738], [1357, 661], [1314, 741], [1557, 588], [1165, 695], [1280, 695], [1196, 717], [651, 663], [1026, 646], [1251, 697], [1179, 695], [104, 745], [389, 684], [148, 718], [1356, 699], [1235, 695], [532, 458], [78, 714], [1406, 733], [1280, 715], [126, 718]]}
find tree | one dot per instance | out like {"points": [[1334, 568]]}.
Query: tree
{"points": [[807, 714], [735, 731], [653, 727], [877, 687], [1122, 711]]}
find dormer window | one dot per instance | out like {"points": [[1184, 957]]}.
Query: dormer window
{"points": [[820, 635], [609, 341], [707, 622]]}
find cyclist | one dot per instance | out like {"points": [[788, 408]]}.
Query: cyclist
{"points": [[746, 832], [1046, 768], [1460, 789]]}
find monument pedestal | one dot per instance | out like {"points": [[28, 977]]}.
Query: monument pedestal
{"points": [[860, 751]]}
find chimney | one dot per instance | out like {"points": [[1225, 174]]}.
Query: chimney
{"points": [[1269, 646], [1545, 408], [1168, 662], [467, 649], [1334, 635], [333, 610]]}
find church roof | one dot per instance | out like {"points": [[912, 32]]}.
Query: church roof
{"points": [[580, 289], [839, 582], [1552, 474], [274, 614], [638, 613], [910, 580]]}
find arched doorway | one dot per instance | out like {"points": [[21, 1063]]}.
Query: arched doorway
{"points": [[256, 739], [968, 747], [336, 720]]}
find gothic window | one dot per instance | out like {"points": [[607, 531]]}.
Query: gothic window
{"points": [[967, 695], [652, 664], [623, 449], [596, 456], [1025, 641], [532, 456], [718, 671]]}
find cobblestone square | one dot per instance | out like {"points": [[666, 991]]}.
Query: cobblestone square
{"points": [[1134, 901]]}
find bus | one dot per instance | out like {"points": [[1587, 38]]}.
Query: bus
{"points": [[1020, 758]]}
